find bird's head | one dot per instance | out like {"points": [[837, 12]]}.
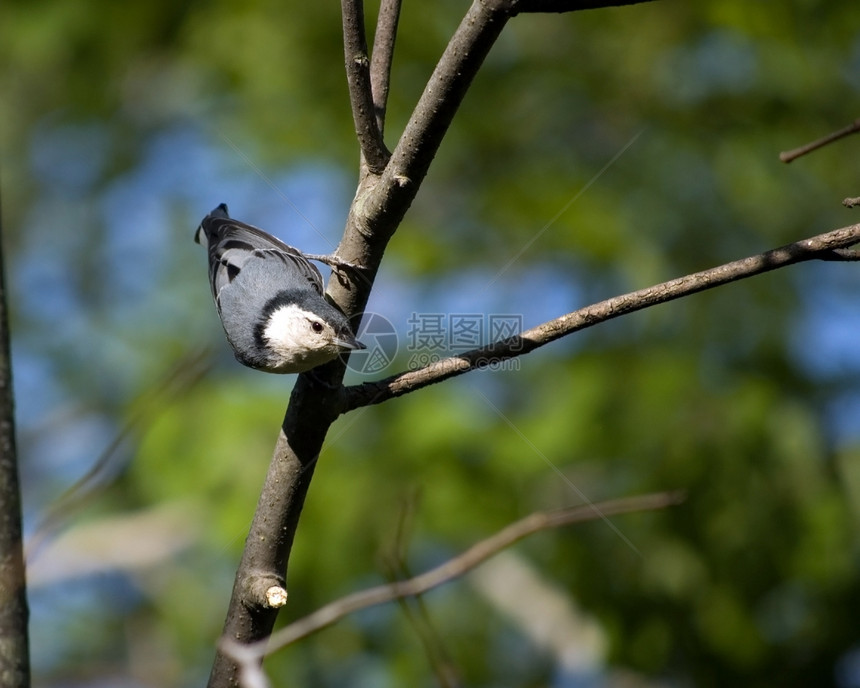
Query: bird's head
{"points": [[300, 334]]}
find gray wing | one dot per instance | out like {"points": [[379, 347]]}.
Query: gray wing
{"points": [[232, 243]]}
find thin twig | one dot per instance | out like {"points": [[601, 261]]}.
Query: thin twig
{"points": [[450, 570], [360, 91], [788, 156], [382, 57], [829, 246]]}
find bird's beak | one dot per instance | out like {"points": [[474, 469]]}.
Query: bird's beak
{"points": [[347, 340]]}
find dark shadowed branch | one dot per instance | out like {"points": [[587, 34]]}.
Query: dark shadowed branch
{"points": [[14, 643], [452, 569], [829, 246], [560, 6]]}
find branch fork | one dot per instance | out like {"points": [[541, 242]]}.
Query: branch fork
{"points": [[389, 182]]}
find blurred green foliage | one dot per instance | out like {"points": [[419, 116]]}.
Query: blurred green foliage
{"points": [[733, 396]]}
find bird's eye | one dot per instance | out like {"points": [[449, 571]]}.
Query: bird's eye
{"points": [[317, 326]]}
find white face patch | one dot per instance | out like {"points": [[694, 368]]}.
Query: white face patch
{"points": [[298, 339]]}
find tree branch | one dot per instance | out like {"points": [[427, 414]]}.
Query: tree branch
{"points": [[377, 209], [383, 55], [14, 612], [454, 568], [262, 570], [559, 6], [829, 246], [369, 134], [384, 194], [788, 156], [382, 201]]}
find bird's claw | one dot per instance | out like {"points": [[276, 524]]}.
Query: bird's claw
{"points": [[334, 262]]}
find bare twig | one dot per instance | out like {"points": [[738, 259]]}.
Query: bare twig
{"points": [[788, 156], [360, 92], [450, 570], [383, 55], [829, 246]]}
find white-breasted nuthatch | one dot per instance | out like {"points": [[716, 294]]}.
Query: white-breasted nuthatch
{"points": [[270, 298]]}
